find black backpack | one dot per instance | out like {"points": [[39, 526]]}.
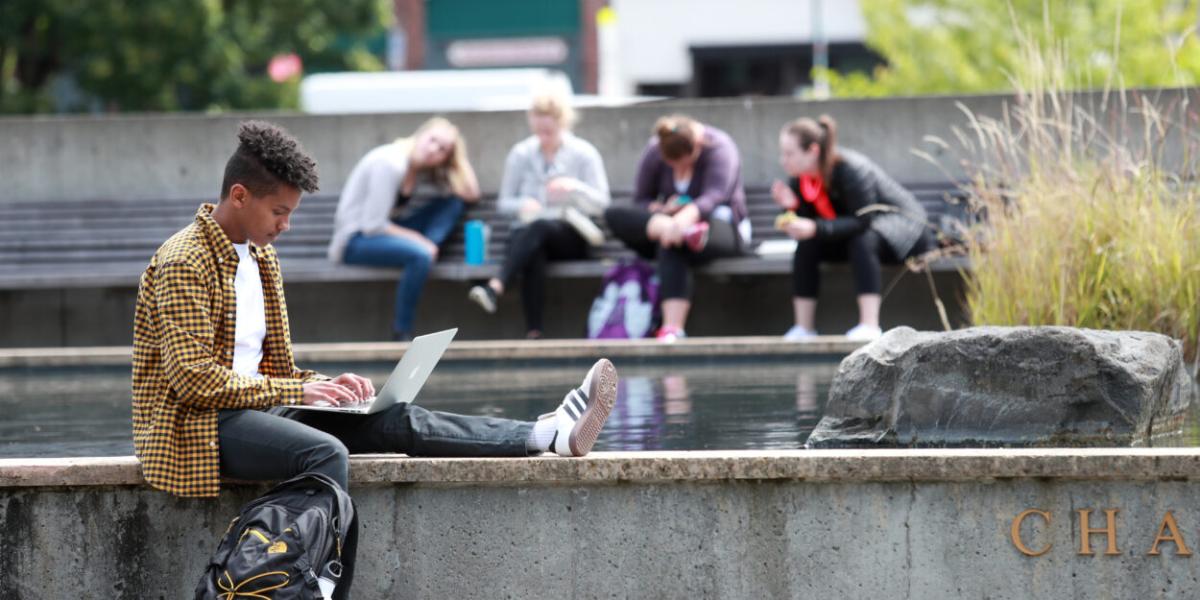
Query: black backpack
{"points": [[281, 543]]}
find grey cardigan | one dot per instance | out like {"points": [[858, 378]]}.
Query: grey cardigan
{"points": [[526, 172], [366, 203]]}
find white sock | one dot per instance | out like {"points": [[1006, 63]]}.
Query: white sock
{"points": [[542, 434]]}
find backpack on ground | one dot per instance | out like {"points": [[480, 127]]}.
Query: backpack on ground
{"points": [[296, 541], [627, 306]]}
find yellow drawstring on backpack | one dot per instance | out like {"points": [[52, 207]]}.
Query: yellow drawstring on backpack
{"points": [[232, 590]]}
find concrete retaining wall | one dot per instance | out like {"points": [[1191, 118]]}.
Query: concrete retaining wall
{"points": [[183, 156], [896, 524], [174, 156], [737, 306]]}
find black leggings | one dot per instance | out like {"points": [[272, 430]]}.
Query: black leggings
{"points": [[528, 251], [628, 224], [865, 251]]}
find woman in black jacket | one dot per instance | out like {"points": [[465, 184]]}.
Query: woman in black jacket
{"points": [[841, 206]]}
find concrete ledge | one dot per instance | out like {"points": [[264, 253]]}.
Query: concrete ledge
{"points": [[922, 524], [473, 350], [816, 466]]}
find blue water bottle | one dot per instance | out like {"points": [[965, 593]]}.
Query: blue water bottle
{"points": [[475, 237]]}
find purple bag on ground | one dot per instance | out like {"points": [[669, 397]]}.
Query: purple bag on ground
{"points": [[627, 306]]}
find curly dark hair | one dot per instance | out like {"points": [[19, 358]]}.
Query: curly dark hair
{"points": [[266, 156]]}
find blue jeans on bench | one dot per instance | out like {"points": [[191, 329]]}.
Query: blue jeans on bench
{"points": [[435, 221]]}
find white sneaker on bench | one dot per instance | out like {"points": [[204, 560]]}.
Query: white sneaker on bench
{"points": [[484, 296], [582, 224]]}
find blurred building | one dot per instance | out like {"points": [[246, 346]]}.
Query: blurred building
{"points": [[687, 48]]}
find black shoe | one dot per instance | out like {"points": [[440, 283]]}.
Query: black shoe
{"points": [[401, 336]]}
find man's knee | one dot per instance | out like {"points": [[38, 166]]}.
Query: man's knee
{"points": [[329, 450], [330, 457]]}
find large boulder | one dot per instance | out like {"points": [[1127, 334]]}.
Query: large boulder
{"points": [[1008, 386]]}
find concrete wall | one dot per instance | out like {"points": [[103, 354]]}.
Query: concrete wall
{"points": [[898, 524], [152, 157], [183, 156]]}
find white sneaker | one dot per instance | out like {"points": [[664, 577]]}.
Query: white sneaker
{"points": [[586, 228], [584, 410], [484, 296], [864, 333], [799, 333]]}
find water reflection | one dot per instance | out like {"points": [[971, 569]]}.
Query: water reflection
{"points": [[746, 405], [760, 407]]}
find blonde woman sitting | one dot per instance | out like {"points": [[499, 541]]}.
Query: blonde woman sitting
{"points": [[425, 178], [552, 182]]}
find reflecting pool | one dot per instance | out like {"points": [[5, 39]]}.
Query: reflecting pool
{"points": [[714, 405]]}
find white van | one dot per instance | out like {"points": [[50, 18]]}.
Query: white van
{"points": [[427, 91]]}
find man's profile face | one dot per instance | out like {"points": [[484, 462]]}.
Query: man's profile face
{"points": [[264, 218]]}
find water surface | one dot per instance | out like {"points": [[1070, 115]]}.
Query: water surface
{"points": [[746, 404]]}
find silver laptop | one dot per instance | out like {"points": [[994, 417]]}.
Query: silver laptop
{"points": [[406, 379]]}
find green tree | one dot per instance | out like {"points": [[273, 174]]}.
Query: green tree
{"points": [[154, 55], [966, 46]]}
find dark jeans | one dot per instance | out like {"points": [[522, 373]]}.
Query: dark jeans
{"points": [[281, 443], [529, 249], [865, 251], [435, 221], [628, 224]]}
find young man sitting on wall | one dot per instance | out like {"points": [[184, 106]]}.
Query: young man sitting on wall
{"points": [[213, 372]]}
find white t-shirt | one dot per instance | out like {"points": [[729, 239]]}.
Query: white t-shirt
{"points": [[251, 325]]}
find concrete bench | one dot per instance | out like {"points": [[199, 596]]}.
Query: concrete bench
{"points": [[106, 243]]}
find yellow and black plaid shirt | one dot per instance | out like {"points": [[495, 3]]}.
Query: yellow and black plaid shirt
{"points": [[183, 356]]}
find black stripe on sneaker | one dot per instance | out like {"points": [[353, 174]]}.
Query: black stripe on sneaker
{"points": [[569, 406], [580, 399]]}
